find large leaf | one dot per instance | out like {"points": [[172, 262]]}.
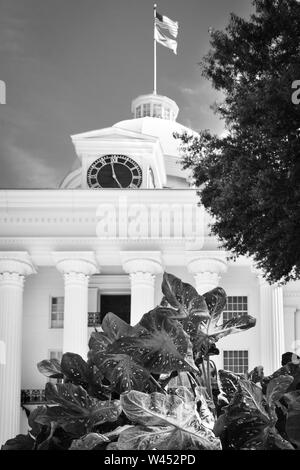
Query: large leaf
{"points": [[291, 369], [76, 403], [205, 334], [248, 422], [114, 327], [159, 311], [88, 442], [71, 422], [293, 417], [201, 400], [228, 383], [37, 419], [165, 422], [256, 375], [50, 368], [216, 301], [76, 369], [124, 374], [20, 442], [165, 348], [183, 297], [205, 331], [276, 389], [98, 342]]}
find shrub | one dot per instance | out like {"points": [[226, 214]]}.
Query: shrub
{"points": [[151, 386]]}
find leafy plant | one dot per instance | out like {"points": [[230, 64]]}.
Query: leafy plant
{"points": [[129, 394], [249, 420], [164, 422]]}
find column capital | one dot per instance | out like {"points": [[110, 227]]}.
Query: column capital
{"points": [[16, 263], [141, 262], [214, 262], [206, 267], [77, 262]]}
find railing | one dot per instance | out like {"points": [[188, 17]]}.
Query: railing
{"points": [[94, 319], [33, 396]]}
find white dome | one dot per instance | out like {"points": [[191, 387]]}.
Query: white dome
{"points": [[156, 127]]}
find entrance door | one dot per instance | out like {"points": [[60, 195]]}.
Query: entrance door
{"points": [[117, 304]]}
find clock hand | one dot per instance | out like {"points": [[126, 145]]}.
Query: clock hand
{"points": [[114, 175]]}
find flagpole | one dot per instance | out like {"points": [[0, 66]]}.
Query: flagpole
{"points": [[154, 52]]}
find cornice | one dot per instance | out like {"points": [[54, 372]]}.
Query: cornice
{"points": [[75, 199]]}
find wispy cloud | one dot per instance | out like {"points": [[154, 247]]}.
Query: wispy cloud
{"points": [[29, 170], [12, 31], [198, 98]]}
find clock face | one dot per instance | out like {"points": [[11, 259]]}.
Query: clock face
{"points": [[114, 171]]}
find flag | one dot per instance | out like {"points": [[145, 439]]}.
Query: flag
{"points": [[164, 25], [165, 41]]}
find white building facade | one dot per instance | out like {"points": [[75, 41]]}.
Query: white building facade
{"points": [[102, 241]]}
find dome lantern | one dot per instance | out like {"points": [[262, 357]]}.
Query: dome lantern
{"points": [[156, 106]]}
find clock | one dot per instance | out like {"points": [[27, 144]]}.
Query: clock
{"points": [[114, 171]]}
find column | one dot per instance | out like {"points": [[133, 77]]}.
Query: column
{"points": [[264, 323], [142, 268], [290, 339], [277, 326], [271, 324], [76, 268], [206, 267], [14, 266]]}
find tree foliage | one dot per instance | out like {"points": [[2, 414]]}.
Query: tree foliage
{"points": [[249, 180]]}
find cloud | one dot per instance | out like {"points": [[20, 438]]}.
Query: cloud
{"points": [[12, 31], [28, 170], [187, 91], [198, 96]]}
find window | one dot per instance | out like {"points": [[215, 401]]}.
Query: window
{"points": [[57, 312], [157, 110], [146, 109], [236, 307], [236, 361], [167, 113], [117, 304], [138, 112]]}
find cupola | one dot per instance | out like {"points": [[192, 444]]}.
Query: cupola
{"points": [[156, 106]]}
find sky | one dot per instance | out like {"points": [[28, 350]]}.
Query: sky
{"points": [[72, 66]]}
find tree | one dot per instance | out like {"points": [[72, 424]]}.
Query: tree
{"points": [[249, 180]]}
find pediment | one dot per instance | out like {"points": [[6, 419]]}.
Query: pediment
{"points": [[112, 134]]}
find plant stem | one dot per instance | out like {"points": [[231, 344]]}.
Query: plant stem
{"points": [[204, 374], [157, 385], [192, 383], [209, 390]]}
